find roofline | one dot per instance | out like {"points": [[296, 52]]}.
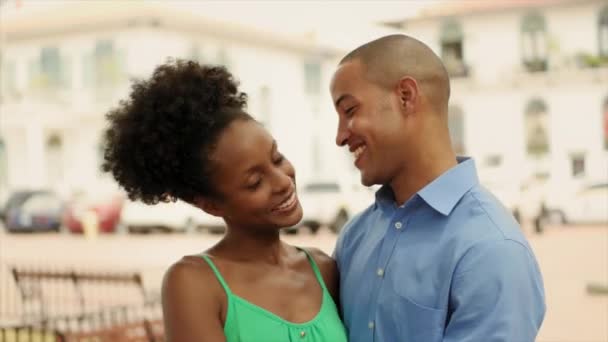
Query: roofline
{"points": [[427, 15], [96, 17]]}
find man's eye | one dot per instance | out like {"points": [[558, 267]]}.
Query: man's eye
{"points": [[279, 159]]}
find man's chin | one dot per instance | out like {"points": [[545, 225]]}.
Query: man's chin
{"points": [[367, 180]]}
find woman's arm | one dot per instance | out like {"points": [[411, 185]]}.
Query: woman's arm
{"points": [[192, 301]]}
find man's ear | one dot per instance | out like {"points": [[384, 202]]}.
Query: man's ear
{"points": [[209, 205], [408, 92]]}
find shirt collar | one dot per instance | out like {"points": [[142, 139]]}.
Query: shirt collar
{"points": [[443, 193]]}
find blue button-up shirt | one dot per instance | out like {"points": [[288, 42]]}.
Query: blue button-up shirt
{"points": [[451, 264]]}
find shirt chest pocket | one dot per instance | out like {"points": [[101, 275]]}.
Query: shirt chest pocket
{"points": [[414, 298], [419, 322]]}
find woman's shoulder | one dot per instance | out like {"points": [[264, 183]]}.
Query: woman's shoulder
{"points": [[191, 273], [322, 259], [193, 301], [328, 268]]}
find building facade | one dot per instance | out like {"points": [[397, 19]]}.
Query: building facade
{"points": [[529, 89], [63, 68]]}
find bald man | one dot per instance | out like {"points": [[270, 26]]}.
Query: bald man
{"points": [[436, 257]]}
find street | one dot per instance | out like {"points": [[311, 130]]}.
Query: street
{"points": [[570, 257]]}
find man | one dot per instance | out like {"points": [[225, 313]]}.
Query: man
{"points": [[436, 257]]}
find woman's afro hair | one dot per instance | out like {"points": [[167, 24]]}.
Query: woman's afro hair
{"points": [[158, 140]]}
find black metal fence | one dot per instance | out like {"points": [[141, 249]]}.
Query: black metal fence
{"points": [[70, 305]]}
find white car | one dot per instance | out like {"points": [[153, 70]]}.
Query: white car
{"points": [[332, 204], [178, 216], [587, 205]]}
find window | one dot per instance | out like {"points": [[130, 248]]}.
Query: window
{"points": [[48, 70], [456, 127], [322, 187], [106, 64], [452, 50], [603, 32], [9, 76], [605, 119], [312, 78], [493, 160], [534, 42], [537, 126], [54, 159], [3, 165], [597, 186], [577, 162], [50, 66]]}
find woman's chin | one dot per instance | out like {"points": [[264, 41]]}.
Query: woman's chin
{"points": [[291, 219]]}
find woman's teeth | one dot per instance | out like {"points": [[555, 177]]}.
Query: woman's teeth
{"points": [[288, 202]]}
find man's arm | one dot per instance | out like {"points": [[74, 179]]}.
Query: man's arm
{"points": [[497, 295]]}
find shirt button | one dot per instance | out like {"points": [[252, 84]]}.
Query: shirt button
{"points": [[371, 325], [380, 272], [398, 225], [303, 334]]}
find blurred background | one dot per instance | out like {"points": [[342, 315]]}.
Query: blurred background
{"points": [[78, 260]]}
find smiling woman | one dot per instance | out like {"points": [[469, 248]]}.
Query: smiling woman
{"points": [[184, 134]]}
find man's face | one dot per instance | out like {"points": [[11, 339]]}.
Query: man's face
{"points": [[370, 124]]}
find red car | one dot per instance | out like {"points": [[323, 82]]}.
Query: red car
{"points": [[107, 209]]}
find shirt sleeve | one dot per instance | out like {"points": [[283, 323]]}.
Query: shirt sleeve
{"points": [[497, 295]]}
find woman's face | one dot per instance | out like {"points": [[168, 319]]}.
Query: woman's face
{"points": [[255, 182]]}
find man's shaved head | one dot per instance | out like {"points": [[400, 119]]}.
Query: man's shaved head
{"points": [[388, 59]]}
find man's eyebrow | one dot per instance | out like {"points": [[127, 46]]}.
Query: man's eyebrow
{"points": [[342, 97]]}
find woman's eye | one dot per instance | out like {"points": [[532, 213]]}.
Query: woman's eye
{"points": [[255, 185]]}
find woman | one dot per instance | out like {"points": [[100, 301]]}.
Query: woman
{"points": [[184, 134]]}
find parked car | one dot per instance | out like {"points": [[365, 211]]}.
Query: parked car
{"points": [[332, 204], [173, 216], [106, 206], [37, 210], [587, 205]]}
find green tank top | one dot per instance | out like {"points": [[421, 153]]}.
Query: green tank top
{"points": [[246, 322]]}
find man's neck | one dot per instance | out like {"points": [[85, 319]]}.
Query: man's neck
{"points": [[419, 173]]}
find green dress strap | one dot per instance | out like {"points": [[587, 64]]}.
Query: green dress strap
{"points": [[217, 273], [315, 269]]}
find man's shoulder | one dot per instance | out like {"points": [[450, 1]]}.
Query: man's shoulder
{"points": [[480, 218], [355, 228], [359, 221]]}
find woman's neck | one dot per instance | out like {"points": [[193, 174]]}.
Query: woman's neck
{"points": [[253, 246]]}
